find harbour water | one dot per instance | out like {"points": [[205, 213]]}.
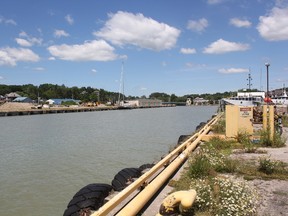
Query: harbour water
{"points": [[46, 159]]}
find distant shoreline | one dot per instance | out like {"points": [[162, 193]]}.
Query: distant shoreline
{"points": [[20, 109]]}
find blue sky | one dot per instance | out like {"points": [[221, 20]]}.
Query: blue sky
{"points": [[177, 47]]}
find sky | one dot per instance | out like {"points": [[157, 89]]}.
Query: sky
{"points": [[176, 47]]}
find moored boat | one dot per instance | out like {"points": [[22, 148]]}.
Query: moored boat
{"points": [[246, 99]]}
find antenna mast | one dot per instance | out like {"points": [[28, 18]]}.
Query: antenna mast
{"points": [[249, 80]]}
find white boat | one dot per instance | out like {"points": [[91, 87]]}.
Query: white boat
{"points": [[281, 100], [246, 99]]}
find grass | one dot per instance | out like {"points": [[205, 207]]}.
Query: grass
{"points": [[217, 194]]}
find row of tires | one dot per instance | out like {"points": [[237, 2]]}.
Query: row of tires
{"points": [[92, 197]]}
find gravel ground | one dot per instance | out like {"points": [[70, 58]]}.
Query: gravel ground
{"points": [[273, 193]]}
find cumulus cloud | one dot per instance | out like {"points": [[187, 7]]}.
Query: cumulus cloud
{"points": [[233, 70], [97, 50], [273, 27], [197, 25], [27, 40], [240, 23], [23, 42], [60, 33], [187, 51], [221, 46], [125, 28], [10, 56], [69, 19]]}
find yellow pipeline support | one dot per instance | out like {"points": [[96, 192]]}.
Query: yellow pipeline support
{"points": [[177, 202], [174, 159]]}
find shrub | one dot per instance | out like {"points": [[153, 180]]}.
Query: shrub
{"points": [[219, 143], [219, 126], [243, 138], [277, 140], [266, 165]]}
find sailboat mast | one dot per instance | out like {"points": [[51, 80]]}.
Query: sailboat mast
{"points": [[121, 88]]}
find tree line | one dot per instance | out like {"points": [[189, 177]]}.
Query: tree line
{"points": [[89, 94]]}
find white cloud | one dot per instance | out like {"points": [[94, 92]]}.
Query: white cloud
{"points": [[23, 42], [240, 23], [221, 46], [214, 1], [60, 33], [27, 40], [233, 70], [10, 56], [69, 19], [197, 25], [126, 28], [97, 50], [94, 71], [7, 21], [39, 69], [187, 51], [273, 27]]}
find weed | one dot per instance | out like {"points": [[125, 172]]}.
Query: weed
{"points": [[243, 138], [219, 127], [266, 141], [224, 197], [266, 165], [220, 144]]}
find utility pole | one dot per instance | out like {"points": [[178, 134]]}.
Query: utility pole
{"points": [[249, 80]]}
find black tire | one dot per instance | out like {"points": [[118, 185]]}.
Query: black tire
{"points": [[182, 139], [200, 126], [124, 177], [90, 197], [145, 166]]}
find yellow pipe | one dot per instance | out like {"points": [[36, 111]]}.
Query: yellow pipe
{"points": [[135, 205], [116, 200], [177, 202]]}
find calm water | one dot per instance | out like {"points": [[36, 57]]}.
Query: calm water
{"points": [[46, 159]]}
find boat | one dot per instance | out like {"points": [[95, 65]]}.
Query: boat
{"points": [[122, 104], [280, 100], [246, 99]]}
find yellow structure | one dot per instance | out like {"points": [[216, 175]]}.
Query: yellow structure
{"points": [[179, 201], [268, 120], [238, 119]]}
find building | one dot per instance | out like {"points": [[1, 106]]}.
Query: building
{"points": [[145, 103], [57, 101], [11, 96], [200, 101], [23, 100]]}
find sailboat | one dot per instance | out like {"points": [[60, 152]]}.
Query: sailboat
{"points": [[122, 104]]}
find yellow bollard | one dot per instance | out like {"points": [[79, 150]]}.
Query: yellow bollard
{"points": [[177, 202], [265, 117], [271, 122]]}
